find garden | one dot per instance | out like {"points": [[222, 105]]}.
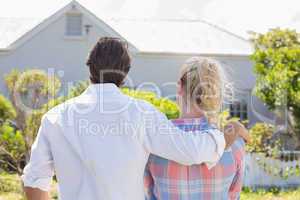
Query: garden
{"points": [[274, 148]]}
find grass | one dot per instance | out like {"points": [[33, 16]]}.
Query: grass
{"points": [[11, 189], [11, 196], [270, 194]]}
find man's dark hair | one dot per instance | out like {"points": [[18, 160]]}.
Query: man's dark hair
{"points": [[109, 61]]}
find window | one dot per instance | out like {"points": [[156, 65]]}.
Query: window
{"points": [[239, 109], [74, 25]]}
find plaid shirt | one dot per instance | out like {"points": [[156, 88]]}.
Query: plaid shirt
{"points": [[168, 180]]}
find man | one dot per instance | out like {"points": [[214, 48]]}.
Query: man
{"points": [[98, 143]]}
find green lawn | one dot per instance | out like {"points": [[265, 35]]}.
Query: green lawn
{"points": [[271, 195], [10, 189]]}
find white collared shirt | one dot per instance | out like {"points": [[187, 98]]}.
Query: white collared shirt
{"points": [[98, 145]]}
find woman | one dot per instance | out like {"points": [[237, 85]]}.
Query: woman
{"points": [[200, 95]]}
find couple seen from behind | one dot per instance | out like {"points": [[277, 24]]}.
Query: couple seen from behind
{"points": [[105, 145]]}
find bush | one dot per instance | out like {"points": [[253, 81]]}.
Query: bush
{"points": [[261, 135], [28, 90], [12, 149], [166, 106], [7, 111]]}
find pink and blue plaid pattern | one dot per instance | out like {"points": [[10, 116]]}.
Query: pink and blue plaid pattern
{"points": [[168, 180]]}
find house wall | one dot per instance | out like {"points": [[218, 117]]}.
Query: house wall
{"points": [[165, 68], [52, 51], [152, 71]]}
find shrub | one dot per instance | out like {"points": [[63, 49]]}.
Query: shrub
{"points": [[28, 90], [12, 148], [261, 135], [7, 111], [166, 106]]}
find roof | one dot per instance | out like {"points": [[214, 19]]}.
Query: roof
{"points": [[234, 15], [151, 35], [12, 29], [183, 36]]}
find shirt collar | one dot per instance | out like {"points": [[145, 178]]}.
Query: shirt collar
{"points": [[200, 120], [192, 124], [103, 88]]}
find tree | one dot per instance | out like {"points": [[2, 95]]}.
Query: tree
{"points": [[12, 148], [11, 140], [277, 66], [7, 111], [29, 91]]}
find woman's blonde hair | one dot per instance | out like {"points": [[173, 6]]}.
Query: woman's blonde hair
{"points": [[203, 82]]}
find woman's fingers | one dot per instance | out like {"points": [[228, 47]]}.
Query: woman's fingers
{"points": [[230, 134], [241, 131], [233, 130]]}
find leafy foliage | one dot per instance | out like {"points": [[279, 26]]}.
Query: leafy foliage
{"points": [[78, 89], [261, 135], [43, 83], [29, 90], [34, 119], [277, 66], [225, 118], [7, 111], [278, 82], [11, 79], [166, 106], [276, 39], [12, 145], [267, 150]]}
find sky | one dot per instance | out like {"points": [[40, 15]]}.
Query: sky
{"points": [[237, 16]]}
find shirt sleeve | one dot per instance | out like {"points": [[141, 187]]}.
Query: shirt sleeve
{"points": [[237, 184], [164, 139], [39, 171], [149, 183]]}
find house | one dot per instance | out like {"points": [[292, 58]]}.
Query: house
{"points": [[60, 45]]}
